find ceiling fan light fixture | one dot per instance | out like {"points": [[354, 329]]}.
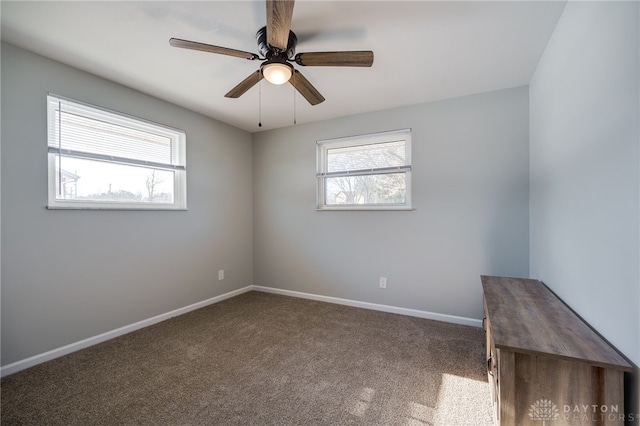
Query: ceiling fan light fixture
{"points": [[277, 72]]}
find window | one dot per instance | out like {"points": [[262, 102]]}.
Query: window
{"points": [[366, 172], [100, 159]]}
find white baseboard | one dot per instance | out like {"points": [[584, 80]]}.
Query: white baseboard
{"points": [[76, 346], [374, 306], [73, 347]]}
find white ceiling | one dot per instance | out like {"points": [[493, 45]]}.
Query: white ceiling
{"points": [[424, 50]]}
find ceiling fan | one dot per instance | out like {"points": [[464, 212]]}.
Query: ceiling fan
{"points": [[277, 44]]}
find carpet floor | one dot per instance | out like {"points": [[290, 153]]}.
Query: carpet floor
{"points": [[264, 359]]}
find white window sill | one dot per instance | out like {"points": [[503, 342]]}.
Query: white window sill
{"points": [[118, 208], [368, 209]]}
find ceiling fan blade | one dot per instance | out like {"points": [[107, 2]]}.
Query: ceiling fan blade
{"points": [[279, 14], [305, 88], [358, 58], [245, 85], [194, 45]]}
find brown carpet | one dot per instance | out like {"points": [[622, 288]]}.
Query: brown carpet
{"points": [[264, 359]]}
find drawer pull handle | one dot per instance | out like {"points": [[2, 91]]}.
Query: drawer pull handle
{"points": [[489, 368]]}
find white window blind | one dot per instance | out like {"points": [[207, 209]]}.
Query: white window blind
{"points": [[103, 159], [383, 157], [366, 171]]}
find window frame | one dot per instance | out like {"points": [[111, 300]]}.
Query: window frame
{"points": [[177, 164], [323, 146]]}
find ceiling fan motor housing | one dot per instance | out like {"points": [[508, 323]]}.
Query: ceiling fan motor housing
{"points": [[268, 51]]}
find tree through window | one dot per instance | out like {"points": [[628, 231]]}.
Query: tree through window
{"points": [[367, 171]]}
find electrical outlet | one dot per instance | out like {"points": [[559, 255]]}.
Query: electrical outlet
{"points": [[221, 275], [383, 282]]}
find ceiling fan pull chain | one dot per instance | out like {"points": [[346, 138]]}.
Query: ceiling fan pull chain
{"points": [[294, 99], [260, 103]]}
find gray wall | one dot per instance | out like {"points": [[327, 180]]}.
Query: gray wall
{"points": [[585, 167], [69, 275], [470, 193]]}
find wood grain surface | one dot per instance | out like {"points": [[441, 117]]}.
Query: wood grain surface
{"points": [[527, 317]]}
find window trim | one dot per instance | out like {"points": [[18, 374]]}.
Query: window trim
{"points": [[178, 162], [322, 146]]}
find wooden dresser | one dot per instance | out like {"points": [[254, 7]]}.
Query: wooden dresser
{"points": [[545, 364]]}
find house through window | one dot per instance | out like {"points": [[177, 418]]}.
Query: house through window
{"points": [[107, 160]]}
